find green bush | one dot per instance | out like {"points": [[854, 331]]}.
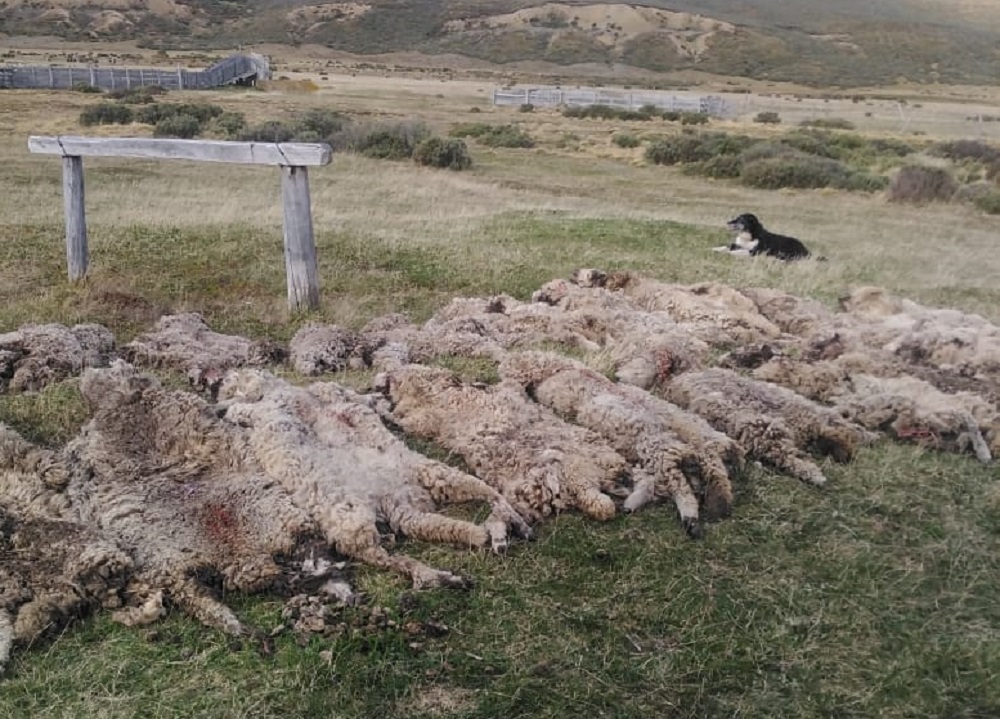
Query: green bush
{"points": [[829, 123], [201, 111], [526, 107], [721, 167], [626, 140], [182, 126], [494, 135], [920, 184], [230, 124], [449, 153], [967, 150], [989, 203], [142, 95], [802, 172], [767, 118], [606, 112], [86, 88], [270, 131], [106, 113], [694, 118], [319, 123], [471, 129], [675, 150]]}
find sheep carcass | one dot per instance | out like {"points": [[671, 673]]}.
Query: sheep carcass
{"points": [[908, 408], [715, 313], [664, 439], [35, 356], [773, 424], [159, 473], [51, 568], [329, 449], [186, 343], [542, 464]]}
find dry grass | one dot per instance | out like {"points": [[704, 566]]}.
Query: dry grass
{"points": [[874, 598]]}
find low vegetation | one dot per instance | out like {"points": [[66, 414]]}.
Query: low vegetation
{"points": [[800, 159], [494, 135]]}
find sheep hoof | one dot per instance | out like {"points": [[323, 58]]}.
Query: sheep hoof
{"points": [[693, 528]]}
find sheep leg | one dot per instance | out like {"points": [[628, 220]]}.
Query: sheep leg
{"points": [[975, 437], [6, 637], [351, 529], [431, 527], [643, 491], [718, 499], [195, 600], [146, 613], [447, 485]]}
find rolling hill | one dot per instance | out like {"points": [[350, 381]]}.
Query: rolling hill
{"points": [[840, 42]]}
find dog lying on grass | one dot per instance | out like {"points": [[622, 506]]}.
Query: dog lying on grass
{"points": [[752, 239]]}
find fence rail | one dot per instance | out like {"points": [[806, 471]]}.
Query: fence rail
{"points": [[294, 158], [230, 70], [549, 97]]}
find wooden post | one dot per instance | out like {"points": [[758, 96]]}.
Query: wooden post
{"points": [[300, 247], [292, 157], [76, 219]]}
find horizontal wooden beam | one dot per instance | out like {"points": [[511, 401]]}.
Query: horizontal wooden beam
{"points": [[292, 154]]}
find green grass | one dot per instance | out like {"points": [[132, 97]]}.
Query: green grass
{"points": [[872, 597]]}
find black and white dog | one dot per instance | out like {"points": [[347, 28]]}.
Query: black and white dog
{"points": [[752, 239]]}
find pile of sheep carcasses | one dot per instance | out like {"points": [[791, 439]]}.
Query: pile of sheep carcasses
{"points": [[614, 391]]}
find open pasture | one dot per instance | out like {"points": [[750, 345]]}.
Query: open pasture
{"points": [[873, 596]]}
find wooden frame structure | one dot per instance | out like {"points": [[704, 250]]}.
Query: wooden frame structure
{"points": [[294, 159]]}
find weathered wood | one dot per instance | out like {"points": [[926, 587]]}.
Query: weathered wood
{"points": [[76, 219], [300, 247], [247, 153]]}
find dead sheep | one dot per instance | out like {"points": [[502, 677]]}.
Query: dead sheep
{"points": [[794, 315], [539, 462], [317, 348], [52, 569], [671, 445], [908, 408], [331, 452], [36, 356], [186, 343], [773, 424], [177, 487], [715, 313], [947, 339]]}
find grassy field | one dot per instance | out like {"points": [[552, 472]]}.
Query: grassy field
{"points": [[875, 596]]}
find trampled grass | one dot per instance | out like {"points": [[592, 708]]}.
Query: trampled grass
{"points": [[875, 596]]}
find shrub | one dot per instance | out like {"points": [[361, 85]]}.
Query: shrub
{"points": [[674, 150], [829, 123], [526, 107], [230, 124], [989, 203], [967, 150], [797, 171], [87, 88], [916, 183], [973, 191], [474, 108], [494, 135], [767, 118], [471, 129], [720, 167], [201, 111], [183, 126], [319, 123], [142, 95], [383, 142], [694, 118], [446, 153], [626, 140], [107, 113], [270, 131]]}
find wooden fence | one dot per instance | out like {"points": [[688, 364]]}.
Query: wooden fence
{"points": [[233, 69], [293, 158], [622, 99]]}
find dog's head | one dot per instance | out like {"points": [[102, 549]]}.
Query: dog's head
{"points": [[745, 223]]}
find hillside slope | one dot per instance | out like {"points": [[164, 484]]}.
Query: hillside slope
{"points": [[831, 43]]}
